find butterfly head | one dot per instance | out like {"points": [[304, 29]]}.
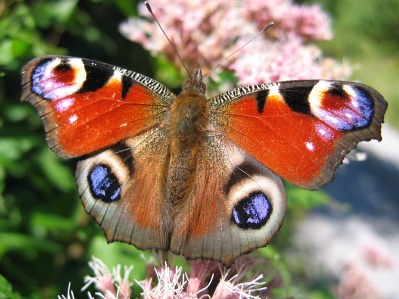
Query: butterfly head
{"points": [[195, 83]]}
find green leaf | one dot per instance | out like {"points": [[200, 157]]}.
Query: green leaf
{"points": [[168, 74], [52, 222], [20, 242], [56, 172], [306, 199], [6, 291], [13, 149], [6, 56], [50, 12]]}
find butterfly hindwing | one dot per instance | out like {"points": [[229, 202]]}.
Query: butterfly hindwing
{"points": [[237, 206], [126, 199], [87, 106], [302, 130]]}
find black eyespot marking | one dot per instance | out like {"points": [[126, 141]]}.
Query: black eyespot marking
{"points": [[252, 212], [96, 78], [127, 83], [63, 66], [103, 183], [297, 98], [241, 172], [337, 90], [124, 152], [261, 100]]}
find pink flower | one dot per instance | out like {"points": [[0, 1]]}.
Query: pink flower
{"points": [[356, 284], [205, 280], [193, 27], [283, 60], [308, 22], [377, 256], [204, 33], [204, 277], [111, 284]]}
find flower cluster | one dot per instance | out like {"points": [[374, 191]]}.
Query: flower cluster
{"points": [[205, 280], [306, 21], [373, 257], [355, 284], [204, 33]]}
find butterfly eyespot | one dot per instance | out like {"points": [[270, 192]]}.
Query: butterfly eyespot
{"points": [[103, 183], [54, 78], [252, 212], [343, 107]]}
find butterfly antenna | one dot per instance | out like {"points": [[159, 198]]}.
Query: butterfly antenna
{"points": [[267, 27], [172, 44]]}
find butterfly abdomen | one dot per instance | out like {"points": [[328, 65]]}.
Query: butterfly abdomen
{"points": [[189, 119]]}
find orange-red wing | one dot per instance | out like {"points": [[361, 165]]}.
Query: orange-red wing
{"points": [[302, 130], [87, 106]]}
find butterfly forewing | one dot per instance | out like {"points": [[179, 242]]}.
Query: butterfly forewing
{"points": [[87, 106], [302, 130]]}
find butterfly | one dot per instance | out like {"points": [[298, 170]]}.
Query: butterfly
{"points": [[198, 177]]}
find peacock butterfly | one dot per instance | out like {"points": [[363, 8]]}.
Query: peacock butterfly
{"points": [[199, 177]]}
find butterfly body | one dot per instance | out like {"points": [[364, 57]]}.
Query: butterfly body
{"points": [[186, 134], [196, 176]]}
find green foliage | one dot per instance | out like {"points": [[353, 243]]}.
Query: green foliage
{"points": [[6, 291], [46, 238]]}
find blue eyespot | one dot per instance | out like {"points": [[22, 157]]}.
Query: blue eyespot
{"points": [[252, 212], [365, 105], [353, 111], [103, 183], [38, 76]]}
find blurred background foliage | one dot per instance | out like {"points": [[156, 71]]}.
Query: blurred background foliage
{"points": [[46, 239]]}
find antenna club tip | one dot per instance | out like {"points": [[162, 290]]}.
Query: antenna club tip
{"points": [[148, 6], [268, 26]]}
